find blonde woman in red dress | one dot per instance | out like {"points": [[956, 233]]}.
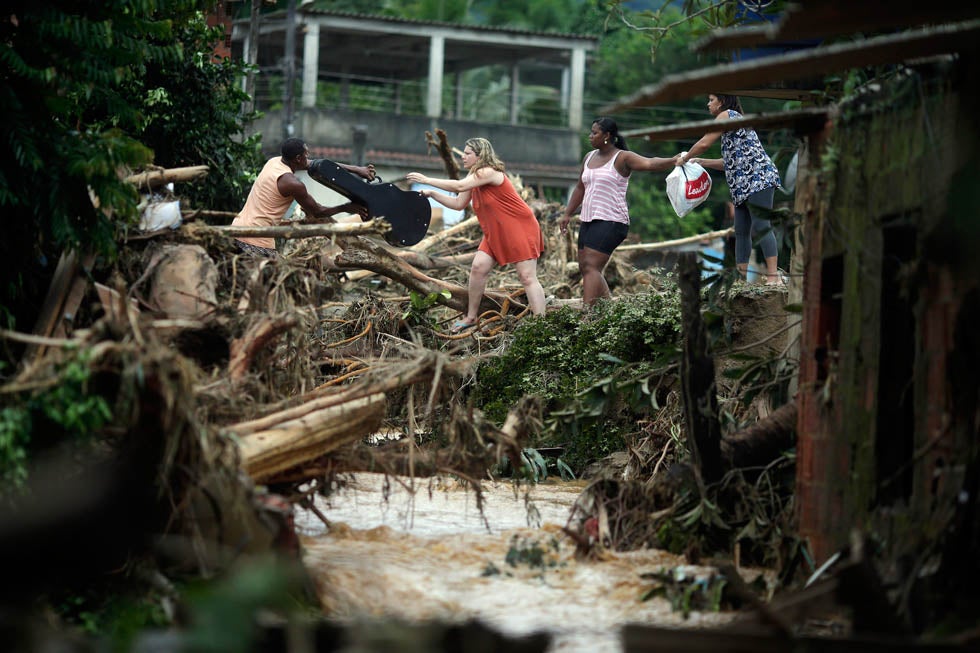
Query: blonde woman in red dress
{"points": [[511, 233]]}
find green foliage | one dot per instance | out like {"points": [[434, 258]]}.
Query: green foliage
{"points": [[84, 81], [532, 553], [65, 408], [222, 613], [687, 592], [653, 219], [420, 304], [192, 116], [562, 358], [118, 614]]}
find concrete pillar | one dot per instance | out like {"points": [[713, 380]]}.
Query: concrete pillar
{"points": [[515, 91], [577, 94], [437, 54], [311, 63], [459, 96], [565, 88]]}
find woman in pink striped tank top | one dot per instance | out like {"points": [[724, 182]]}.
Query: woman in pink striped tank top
{"points": [[601, 194]]}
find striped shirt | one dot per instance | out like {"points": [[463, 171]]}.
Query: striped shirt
{"points": [[605, 192]]}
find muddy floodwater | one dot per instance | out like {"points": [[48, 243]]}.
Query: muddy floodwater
{"points": [[426, 552]]}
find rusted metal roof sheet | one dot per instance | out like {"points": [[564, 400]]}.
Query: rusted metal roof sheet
{"points": [[831, 18], [803, 121], [875, 51]]}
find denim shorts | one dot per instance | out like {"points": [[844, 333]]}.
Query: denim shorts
{"points": [[602, 235], [255, 250]]}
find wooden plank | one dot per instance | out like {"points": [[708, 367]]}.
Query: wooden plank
{"points": [[63, 285], [803, 121], [801, 65], [74, 298], [650, 639]]}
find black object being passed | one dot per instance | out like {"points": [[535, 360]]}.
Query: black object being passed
{"points": [[408, 212]]}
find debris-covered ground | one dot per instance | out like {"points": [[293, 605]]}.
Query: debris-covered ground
{"points": [[230, 389]]}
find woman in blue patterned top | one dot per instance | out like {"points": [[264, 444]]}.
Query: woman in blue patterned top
{"points": [[752, 178]]}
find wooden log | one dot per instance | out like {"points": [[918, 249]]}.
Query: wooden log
{"points": [[700, 400], [306, 230], [677, 242], [426, 262], [162, 177], [316, 433]]}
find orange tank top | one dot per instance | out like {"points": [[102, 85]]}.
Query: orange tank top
{"points": [[265, 205]]}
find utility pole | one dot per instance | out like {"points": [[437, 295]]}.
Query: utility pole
{"points": [[251, 57], [288, 92]]}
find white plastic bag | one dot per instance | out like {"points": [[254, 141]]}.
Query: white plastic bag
{"points": [[687, 187], [158, 215]]}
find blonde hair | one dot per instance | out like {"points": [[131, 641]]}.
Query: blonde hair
{"points": [[485, 156]]}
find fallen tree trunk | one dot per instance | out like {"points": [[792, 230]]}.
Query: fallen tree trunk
{"points": [[424, 245], [162, 177], [419, 260], [362, 253], [428, 368], [318, 432]]}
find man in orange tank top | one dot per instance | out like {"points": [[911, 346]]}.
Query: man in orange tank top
{"points": [[275, 189]]}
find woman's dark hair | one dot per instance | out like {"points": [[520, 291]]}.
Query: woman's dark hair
{"points": [[292, 148], [609, 126], [729, 102]]}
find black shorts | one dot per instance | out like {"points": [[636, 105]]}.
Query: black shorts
{"points": [[602, 235]]}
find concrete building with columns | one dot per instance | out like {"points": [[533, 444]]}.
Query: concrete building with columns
{"points": [[367, 88]]}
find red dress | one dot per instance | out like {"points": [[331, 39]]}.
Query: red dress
{"points": [[511, 233]]}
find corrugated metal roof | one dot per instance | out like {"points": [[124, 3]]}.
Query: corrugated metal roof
{"points": [[437, 23], [802, 120], [831, 18], [727, 78], [433, 162]]}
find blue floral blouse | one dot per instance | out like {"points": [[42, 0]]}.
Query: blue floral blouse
{"points": [[748, 169]]}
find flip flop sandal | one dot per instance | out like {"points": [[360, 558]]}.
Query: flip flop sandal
{"points": [[460, 326]]}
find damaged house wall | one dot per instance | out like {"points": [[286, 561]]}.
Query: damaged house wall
{"points": [[887, 419]]}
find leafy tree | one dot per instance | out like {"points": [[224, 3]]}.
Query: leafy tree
{"points": [[60, 60], [549, 15], [193, 116], [88, 88]]}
